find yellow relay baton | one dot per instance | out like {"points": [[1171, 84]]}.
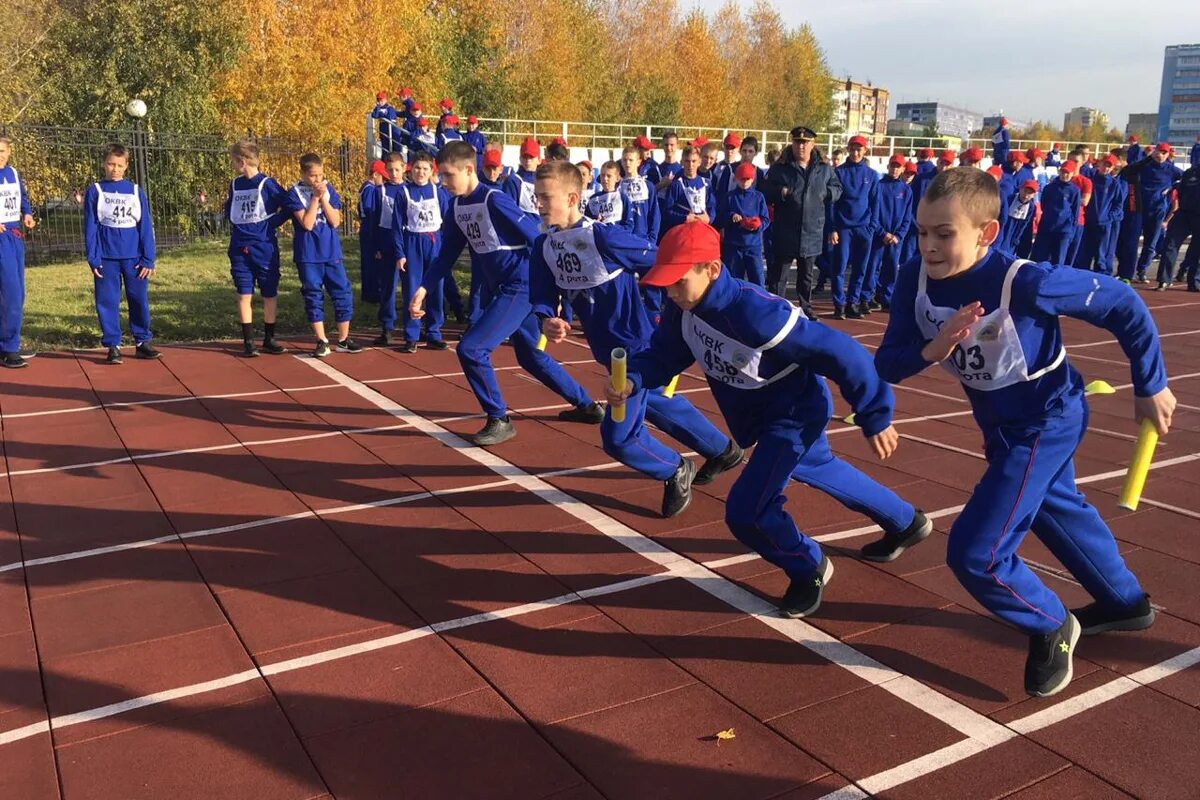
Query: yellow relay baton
{"points": [[542, 342], [1135, 478], [617, 368], [669, 391]]}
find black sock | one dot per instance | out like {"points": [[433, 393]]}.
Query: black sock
{"points": [[268, 330], [247, 331]]}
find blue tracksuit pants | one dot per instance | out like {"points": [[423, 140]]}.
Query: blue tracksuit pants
{"points": [[745, 263], [1030, 485], [508, 314], [318, 277], [1152, 229], [12, 290], [1052, 246], [885, 264], [631, 442], [422, 250], [754, 507], [108, 301], [853, 251]]}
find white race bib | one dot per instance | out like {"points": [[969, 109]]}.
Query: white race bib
{"points": [[728, 361], [476, 225], [527, 201], [305, 194], [607, 208], [424, 216], [247, 206], [697, 198], [10, 200], [635, 188], [115, 210], [991, 357], [574, 260]]}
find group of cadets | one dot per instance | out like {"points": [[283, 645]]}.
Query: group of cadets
{"points": [[664, 260]]}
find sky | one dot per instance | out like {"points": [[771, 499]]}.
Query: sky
{"points": [[996, 57]]}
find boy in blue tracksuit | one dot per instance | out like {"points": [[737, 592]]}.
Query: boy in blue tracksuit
{"points": [[388, 133], [1000, 143], [1099, 216], [368, 215], [449, 132], [595, 267], [420, 209], [1135, 153], [610, 205], [423, 139], [379, 207], [992, 321], [908, 247], [119, 240], [1060, 210], [519, 185], [499, 235], [253, 210], [743, 218], [15, 211], [316, 212], [643, 211], [476, 139], [1155, 179], [689, 197], [764, 361], [853, 222], [893, 216]]}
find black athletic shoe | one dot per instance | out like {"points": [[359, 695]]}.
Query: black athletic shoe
{"points": [[273, 347], [146, 350], [436, 344], [1050, 664], [27, 354], [803, 596], [677, 490], [12, 360], [384, 339], [249, 350], [875, 305], [839, 312], [348, 345], [322, 349], [812, 315], [114, 356], [590, 413], [891, 545], [885, 308], [1095, 619], [864, 309], [714, 466], [407, 346], [497, 430], [851, 312], [1162, 287], [1140, 278]]}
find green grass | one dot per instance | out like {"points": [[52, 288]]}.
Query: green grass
{"points": [[191, 299]]}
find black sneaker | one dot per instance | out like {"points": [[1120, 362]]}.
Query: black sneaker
{"points": [[812, 315], [852, 312], [348, 345], [885, 307], [12, 360], [1050, 665], [839, 312], [1095, 619], [677, 490], [730, 458], [497, 430], [322, 349], [435, 344], [1162, 287], [590, 413], [1140, 278], [864, 309], [249, 350], [875, 305], [803, 596], [891, 545], [383, 340], [273, 347], [27, 354], [114, 356], [146, 350], [407, 346]]}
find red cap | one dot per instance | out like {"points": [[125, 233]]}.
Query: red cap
{"points": [[472, 120], [643, 143], [1068, 166], [861, 141], [1133, 140], [1109, 159], [530, 148], [947, 157], [379, 168], [1018, 156], [586, 163], [745, 170], [732, 140], [683, 247], [416, 106], [972, 154], [423, 122], [381, 95], [897, 159], [1055, 146], [446, 103], [700, 141], [1030, 184], [405, 91], [1004, 120], [559, 140], [1033, 153], [491, 158], [995, 171], [910, 168], [925, 152], [1164, 147], [451, 119]]}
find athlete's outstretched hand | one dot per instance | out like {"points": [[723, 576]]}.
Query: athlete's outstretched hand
{"points": [[885, 442], [957, 328], [1158, 408]]}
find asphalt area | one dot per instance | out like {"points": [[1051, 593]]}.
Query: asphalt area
{"points": [[290, 578]]}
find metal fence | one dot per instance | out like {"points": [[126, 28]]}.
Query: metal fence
{"points": [[185, 178]]}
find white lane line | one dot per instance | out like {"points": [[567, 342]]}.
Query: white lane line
{"points": [[378, 381], [945, 709], [928, 393], [158, 401], [291, 665], [1071, 347]]}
